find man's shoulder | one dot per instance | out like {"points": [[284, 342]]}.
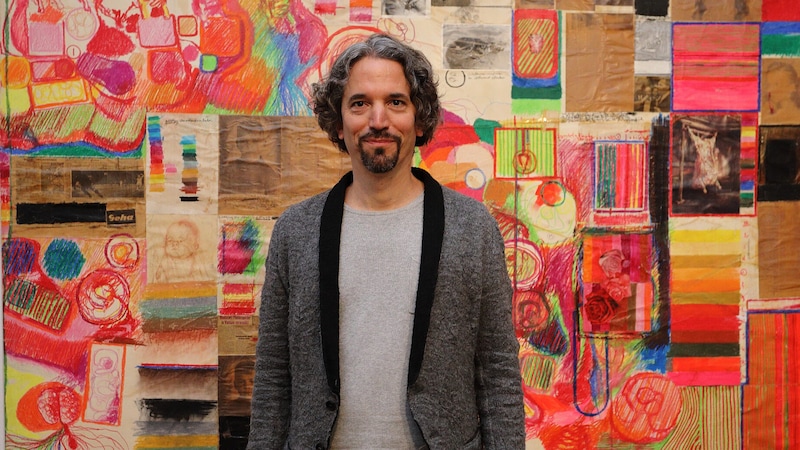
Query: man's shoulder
{"points": [[305, 211], [464, 206]]}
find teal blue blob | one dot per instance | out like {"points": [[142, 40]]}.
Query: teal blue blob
{"points": [[63, 259], [485, 129]]}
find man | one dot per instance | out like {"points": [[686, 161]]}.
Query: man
{"points": [[386, 314]]}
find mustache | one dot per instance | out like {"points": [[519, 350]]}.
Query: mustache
{"points": [[379, 134]]}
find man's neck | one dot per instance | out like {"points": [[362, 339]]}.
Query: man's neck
{"points": [[383, 192]]}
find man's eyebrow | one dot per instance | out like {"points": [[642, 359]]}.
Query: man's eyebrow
{"points": [[399, 95], [356, 96], [394, 96]]}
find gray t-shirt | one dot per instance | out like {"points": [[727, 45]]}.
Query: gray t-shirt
{"points": [[379, 261]]}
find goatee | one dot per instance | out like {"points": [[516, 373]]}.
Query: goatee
{"points": [[379, 160]]}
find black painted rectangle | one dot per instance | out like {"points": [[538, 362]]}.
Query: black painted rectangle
{"points": [[703, 349], [658, 8], [780, 162], [159, 409], [778, 192], [53, 213], [121, 217]]}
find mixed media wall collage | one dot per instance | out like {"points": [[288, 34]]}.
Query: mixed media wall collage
{"points": [[641, 157]]}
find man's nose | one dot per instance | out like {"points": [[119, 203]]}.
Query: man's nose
{"points": [[378, 119]]}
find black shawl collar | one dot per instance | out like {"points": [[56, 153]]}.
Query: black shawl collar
{"points": [[329, 236]]}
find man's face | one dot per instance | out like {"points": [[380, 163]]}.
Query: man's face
{"points": [[378, 118]]}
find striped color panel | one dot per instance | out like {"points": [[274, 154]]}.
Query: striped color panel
{"points": [[238, 299], [179, 306], [620, 176], [535, 37], [43, 305], [525, 153], [705, 306], [190, 172], [747, 165], [538, 371], [156, 154], [771, 409], [709, 419], [780, 39], [5, 193], [715, 66], [361, 10]]}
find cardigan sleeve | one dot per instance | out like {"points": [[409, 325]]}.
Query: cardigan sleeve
{"points": [[498, 380], [271, 401]]}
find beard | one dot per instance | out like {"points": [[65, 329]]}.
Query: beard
{"points": [[380, 160]]}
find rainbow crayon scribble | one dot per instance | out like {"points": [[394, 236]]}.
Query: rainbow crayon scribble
{"points": [[239, 248]]}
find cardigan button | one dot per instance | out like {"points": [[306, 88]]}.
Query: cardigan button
{"points": [[330, 405]]}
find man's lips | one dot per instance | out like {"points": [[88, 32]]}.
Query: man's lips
{"points": [[379, 141], [383, 140]]}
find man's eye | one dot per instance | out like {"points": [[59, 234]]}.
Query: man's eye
{"points": [[397, 103], [358, 104]]}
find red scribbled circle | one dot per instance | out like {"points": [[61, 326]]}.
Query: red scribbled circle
{"points": [[531, 312], [552, 193], [122, 251], [647, 408], [48, 406], [524, 262], [103, 297]]}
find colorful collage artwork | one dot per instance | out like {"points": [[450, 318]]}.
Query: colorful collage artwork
{"points": [[641, 158]]}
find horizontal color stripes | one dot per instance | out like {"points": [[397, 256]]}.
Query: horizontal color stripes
{"points": [[715, 65], [180, 290], [705, 306]]}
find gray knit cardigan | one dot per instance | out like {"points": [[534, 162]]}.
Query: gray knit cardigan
{"points": [[464, 386]]}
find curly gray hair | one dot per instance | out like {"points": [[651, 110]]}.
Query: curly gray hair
{"points": [[326, 95]]}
